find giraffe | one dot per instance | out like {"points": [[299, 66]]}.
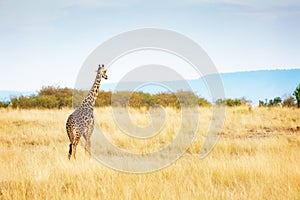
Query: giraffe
{"points": [[81, 121]]}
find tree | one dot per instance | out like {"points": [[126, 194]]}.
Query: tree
{"points": [[297, 95], [55, 97], [271, 103], [187, 98], [233, 102], [277, 101], [261, 103], [220, 102], [63, 96], [289, 102], [4, 104], [104, 99], [203, 102]]}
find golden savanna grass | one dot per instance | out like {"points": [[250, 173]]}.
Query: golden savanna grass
{"points": [[256, 157]]}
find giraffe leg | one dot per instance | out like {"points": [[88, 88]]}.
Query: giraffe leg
{"points": [[74, 151], [70, 132], [70, 151], [74, 144], [88, 138], [86, 144], [88, 147]]}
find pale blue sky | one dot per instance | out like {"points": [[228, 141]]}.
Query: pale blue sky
{"points": [[46, 42]]}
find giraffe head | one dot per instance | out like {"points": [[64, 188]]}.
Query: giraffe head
{"points": [[102, 71]]}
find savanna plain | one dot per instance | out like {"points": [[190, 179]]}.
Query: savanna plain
{"points": [[257, 156]]}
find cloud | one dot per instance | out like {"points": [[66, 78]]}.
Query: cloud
{"points": [[268, 9], [31, 14], [269, 14], [20, 15], [246, 3], [101, 3]]}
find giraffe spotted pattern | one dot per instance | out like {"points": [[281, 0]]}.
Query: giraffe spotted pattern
{"points": [[81, 121]]}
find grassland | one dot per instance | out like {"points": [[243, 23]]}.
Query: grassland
{"points": [[256, 157]]}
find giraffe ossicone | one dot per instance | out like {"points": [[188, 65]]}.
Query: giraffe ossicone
{"points": [[81, 121]]}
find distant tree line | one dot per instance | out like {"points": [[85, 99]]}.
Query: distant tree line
{"points": [[291, 101], [55, 97], [277, 101], [233, 102]]}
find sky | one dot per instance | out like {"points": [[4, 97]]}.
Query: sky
{"points": [[46, 42]]}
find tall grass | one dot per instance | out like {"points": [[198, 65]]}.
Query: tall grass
{"points": [[257, 157]]}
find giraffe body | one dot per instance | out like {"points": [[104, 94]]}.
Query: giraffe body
{"points": [[81, 121]]}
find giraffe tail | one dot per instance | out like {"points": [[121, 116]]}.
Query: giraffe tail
{"points": [[70, 151]]}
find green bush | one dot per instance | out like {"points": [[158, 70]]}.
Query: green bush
{"points": [[4, 104], [55, 97], [296, 93], [233, 102], [289, 102]]}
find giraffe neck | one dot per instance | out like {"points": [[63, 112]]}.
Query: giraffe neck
{"points": [[93, 92]]}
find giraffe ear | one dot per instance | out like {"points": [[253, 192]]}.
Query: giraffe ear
{"points": [[99, 67]]}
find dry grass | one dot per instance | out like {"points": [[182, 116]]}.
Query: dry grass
{"points": [[257, 157]]}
